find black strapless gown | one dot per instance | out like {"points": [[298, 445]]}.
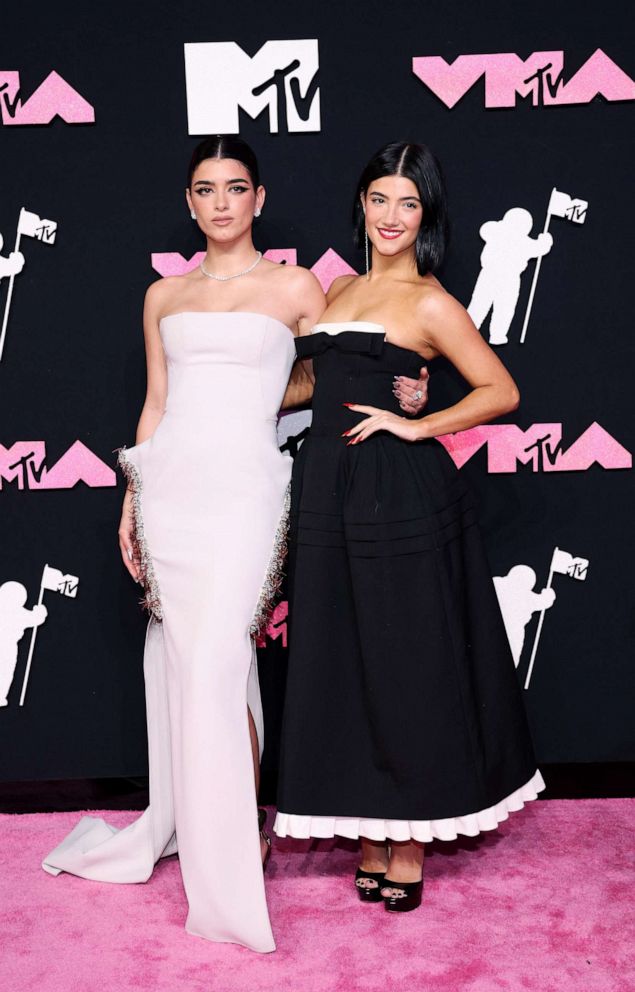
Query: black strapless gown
{"points": [[403, 714]]}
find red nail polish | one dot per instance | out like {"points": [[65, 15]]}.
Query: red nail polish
{"points": [[348, 404], [345, 434]]}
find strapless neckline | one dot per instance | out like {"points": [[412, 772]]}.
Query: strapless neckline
{"points": [[360, 327], [227, 313]]}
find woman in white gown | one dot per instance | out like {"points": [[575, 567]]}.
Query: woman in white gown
{"points": [[203, 529]]}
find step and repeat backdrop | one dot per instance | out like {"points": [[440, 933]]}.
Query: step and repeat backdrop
{"points": [[532, 115]]}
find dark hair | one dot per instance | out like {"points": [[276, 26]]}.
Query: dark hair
{"points": [[225, 146], [415, 162]]}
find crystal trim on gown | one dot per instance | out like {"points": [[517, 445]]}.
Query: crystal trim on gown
{"points": [[141, 553], [275, 571]]}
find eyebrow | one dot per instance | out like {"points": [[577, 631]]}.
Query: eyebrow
{"points": [[377, 192], [228, 182]]}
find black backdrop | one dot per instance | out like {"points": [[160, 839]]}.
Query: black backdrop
{"points": [[73, 364]]}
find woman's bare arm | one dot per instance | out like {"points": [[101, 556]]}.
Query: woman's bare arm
{"points": [[312, 304], [450, 331], [151, 413], [156, 369]]}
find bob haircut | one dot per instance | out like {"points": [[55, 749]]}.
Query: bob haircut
{"points": [[415, 162], [225, 146]]}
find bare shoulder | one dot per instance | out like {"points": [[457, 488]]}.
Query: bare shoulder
{"points": [[338, 286], [160, 294], [297, 278], [302, 295], [436, 307]]}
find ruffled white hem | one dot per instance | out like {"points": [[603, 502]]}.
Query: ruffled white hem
{"points": [[302, 827]]}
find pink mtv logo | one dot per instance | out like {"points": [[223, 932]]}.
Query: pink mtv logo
{"points": [[540, 77], [328, 267], [53, 98], [24, 463], [539, 446], [277, 626]]}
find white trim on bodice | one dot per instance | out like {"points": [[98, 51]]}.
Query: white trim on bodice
{"points": [[365, 326]]}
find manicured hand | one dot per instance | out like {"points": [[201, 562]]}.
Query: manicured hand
{"points": [[126, 545], [381, 420], [412, 393]]}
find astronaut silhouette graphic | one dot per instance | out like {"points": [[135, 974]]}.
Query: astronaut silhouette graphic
{"points": [[518, 603], [14, 621], [508, 249], [12, 264]]}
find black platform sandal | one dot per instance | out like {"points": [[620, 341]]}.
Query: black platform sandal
{"points": [[262, 821], [369, 893], [406, 896]]}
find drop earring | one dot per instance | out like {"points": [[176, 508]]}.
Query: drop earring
{"points": [[257, 212], [366, 247], [192, 215]]}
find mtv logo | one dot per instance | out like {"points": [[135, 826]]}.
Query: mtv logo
{"points": [[540, 77], [539, 446], [277, 626], [54, 97], [24, 462], [281, 78], [69, 586]]}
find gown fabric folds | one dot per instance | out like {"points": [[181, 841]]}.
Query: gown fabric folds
{"points": [[210, 488], [403, 714]]}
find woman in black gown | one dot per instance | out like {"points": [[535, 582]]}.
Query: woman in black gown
{"points": [[403, 716]]}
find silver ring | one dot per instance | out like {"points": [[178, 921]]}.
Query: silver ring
{"points": [[418, 395]]}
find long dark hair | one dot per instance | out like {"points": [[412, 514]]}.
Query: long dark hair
{"points": [[415, 162], [225, 146]]}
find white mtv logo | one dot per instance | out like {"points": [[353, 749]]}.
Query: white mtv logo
{"points": [[281, 77]]}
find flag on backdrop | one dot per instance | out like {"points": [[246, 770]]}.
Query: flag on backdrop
{"points": [[55, 580], [33, 226], [565, 206], [565, 564]]}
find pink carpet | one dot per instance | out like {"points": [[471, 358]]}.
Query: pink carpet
{"points": [[545, 903]]}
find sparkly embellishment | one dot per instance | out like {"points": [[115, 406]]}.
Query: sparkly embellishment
{"points": [[141, 554], [273, 577]]}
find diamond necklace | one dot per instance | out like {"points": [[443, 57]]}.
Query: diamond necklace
{"points": [[236, 275]]}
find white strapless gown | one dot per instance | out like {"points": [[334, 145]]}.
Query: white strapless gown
{"points": [[211, 494]]}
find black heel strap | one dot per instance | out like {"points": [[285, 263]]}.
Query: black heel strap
{"points": [[406, 887], [376, 876]]}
